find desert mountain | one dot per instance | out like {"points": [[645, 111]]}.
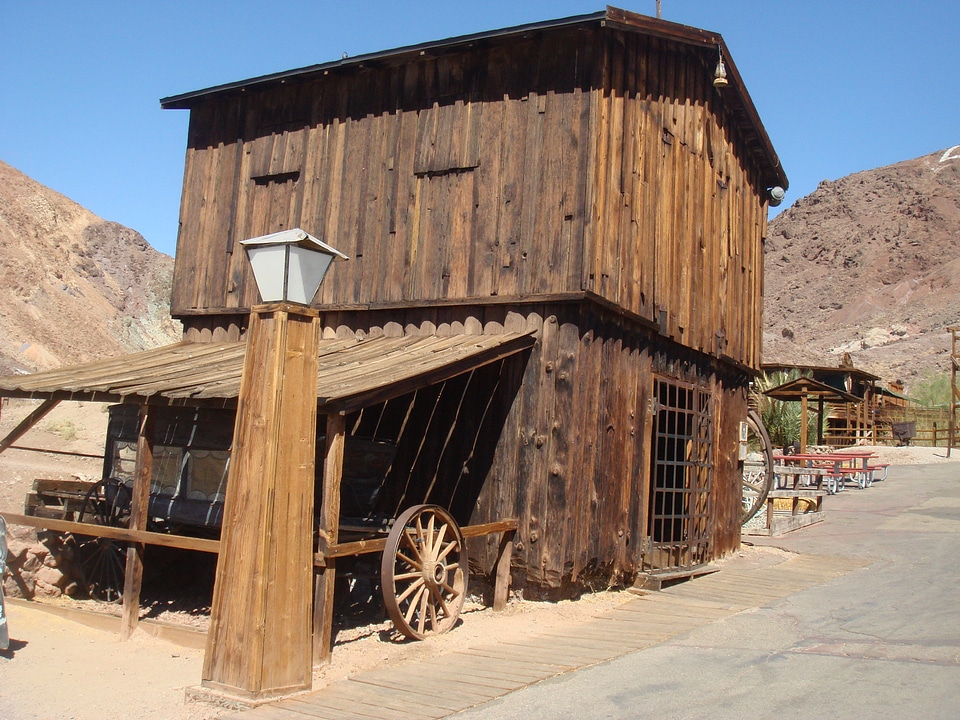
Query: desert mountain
{"points": [[74, 287], [869, 265]]}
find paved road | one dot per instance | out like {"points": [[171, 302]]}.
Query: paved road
{"points": [[882, 641]]}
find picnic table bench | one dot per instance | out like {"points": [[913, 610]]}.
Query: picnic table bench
{"points": [[806, 508], [834, 470]]}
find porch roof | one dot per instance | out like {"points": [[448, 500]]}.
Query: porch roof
{"points": [[354, 372]]}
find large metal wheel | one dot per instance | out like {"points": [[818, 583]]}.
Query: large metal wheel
{"points": [[424, 572], [103, 560], [757, 467]]}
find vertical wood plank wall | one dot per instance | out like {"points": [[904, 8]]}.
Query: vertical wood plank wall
{"points": [[572, 462], [602, 162]]}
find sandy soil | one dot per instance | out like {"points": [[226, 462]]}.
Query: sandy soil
{"points": [[57, 668]]}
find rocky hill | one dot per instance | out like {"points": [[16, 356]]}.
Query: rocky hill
{"points": [[74, 287], [870, 265]]}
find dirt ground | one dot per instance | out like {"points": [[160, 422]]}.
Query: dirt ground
{"points": [[58, 668]]}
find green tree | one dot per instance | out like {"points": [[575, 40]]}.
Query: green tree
{"points": [[932, 390]]}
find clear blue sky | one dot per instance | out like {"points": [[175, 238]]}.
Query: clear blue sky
{"points": [[841, 85]]}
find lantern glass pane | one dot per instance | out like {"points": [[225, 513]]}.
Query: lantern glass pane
{"points": [[307, 268], [269, 266]]}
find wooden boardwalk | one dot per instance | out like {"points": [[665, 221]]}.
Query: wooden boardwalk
{"points": [[443, 685]]}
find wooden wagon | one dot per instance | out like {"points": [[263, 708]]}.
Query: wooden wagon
{"points": [[424, 569]]}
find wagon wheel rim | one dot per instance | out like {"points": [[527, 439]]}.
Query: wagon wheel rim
{"points": [[103, 560], [424, 572], [757, 472]]}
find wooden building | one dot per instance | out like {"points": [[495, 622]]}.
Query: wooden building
{"points": [[583, 180], [552, 307], [848, 399]]}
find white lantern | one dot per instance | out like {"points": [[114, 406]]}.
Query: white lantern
{"points": [[289, 265]]}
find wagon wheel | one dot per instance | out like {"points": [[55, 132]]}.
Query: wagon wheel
{"points": [[757, 468], [424, 572], [103, 560]]}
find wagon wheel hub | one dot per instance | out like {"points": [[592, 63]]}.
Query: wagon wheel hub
{"points": [[434, 573]]}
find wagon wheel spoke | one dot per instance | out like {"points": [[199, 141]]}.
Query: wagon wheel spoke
{"points": [[451, 546], [414, 604], [450, 590], [415, 564], [410, 540], [423, 574], [425, 607], [439, 600], [410, 588], [407, 575]]}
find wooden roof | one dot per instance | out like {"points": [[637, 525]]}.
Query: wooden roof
{"points": [[736, 95], [820, 370], [808, 387], [353, 373]]}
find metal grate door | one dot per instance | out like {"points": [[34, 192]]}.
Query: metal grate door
{"points": [[680, 498]]}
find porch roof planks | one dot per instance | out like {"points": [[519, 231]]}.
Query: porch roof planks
{"points": [[353, 372]]}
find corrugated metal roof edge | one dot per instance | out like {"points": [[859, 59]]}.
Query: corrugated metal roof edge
{"points": [[183, 101]]}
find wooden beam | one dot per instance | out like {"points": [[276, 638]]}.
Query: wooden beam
{"points": [[501, 588], [329, 532], [105, 531], [28, 422], [372, 545], [139, 506], [803, 423]]}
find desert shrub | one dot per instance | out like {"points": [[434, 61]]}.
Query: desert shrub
{"points": [[66, 429]]}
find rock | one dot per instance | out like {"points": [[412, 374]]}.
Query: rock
{"points": [[17, 551], [32, 562], [49, 582]]}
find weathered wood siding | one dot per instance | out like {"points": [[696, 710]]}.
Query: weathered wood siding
{"points": [[679, 214], [560, 440], [568, 162]]}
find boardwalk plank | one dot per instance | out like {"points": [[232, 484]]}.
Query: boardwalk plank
{"points": [[359, 692], [497, 668], [325, 704], [441, 685], [453, 696]]}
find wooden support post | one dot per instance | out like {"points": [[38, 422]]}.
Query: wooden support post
{"points": [[954, 389], [501, 588], [329, 536], [139, 507], [820, 420], [28, 422], [803, 422], [259, 645]]}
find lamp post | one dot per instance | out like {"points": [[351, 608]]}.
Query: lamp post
{"points": [[259, 644]]}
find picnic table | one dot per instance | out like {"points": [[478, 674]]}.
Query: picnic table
{"points": [[831, 470]]}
